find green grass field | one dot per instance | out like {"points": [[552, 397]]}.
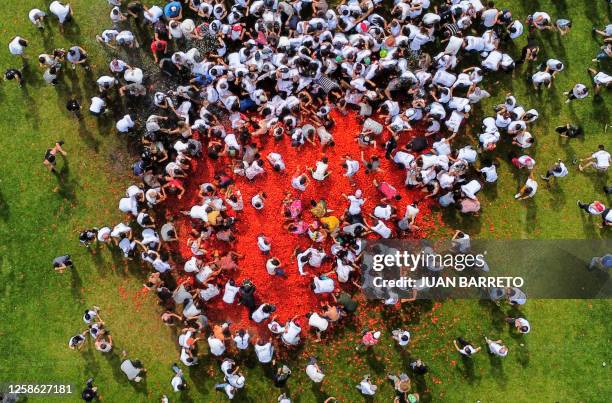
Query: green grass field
{"points": [[561, 360]]}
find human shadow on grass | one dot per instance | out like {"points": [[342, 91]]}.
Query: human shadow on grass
{"points": [[5, 210], [66, 185], [320, 396], [467, 369], [76, 284], [72, 32], [88, 136], [31, 109], [496, 312], [91, 364], [497, 369]]}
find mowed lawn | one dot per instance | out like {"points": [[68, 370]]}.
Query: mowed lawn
{"points": [[563, 359]]}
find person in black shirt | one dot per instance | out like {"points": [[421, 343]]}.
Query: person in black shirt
{"points": [[569, 130], [74, 106], [168, 67], [12, 74], [90, 392]]}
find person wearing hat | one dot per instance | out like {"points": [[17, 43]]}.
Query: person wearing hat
{"points": [[401, 383]]}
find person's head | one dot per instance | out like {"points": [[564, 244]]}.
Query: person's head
{"points": [[601, 147]]}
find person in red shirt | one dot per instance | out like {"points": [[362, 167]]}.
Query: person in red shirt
{"points": [[158, 47]]}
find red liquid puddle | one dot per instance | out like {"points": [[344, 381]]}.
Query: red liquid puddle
{"points": [[291, 295]]}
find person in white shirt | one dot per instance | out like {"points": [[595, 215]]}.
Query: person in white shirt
{"points": [[320, 172], [322, 284], [352, 167], [559, 170], [37, 18], [356, 201], [264, 351], [291, 333], [63, 12], [317, 322], [241, 339], [489, 172], [579, 91], [465, 348], [98, 106], [125, 124], [230, 291], [496, 347], [313, 371], [528, 190], [17, 46], [366, 387], [540, 79], [521, 324], [600, 160], [401, 336], [229, 390], [276, 160], [262, 313], [216, 346], [515, 29]]}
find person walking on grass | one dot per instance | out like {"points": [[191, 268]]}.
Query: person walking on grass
{"points": [[465, 348], [496, 347], [50, 156]]}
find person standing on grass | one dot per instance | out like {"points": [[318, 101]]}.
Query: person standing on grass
{"points": [[17, 46], [63, 13], [521, 324], [496, 347], [401, 336], [90, 392], [50, 156], [74, 107], [77, 56], [37, 17], [14, 74], [366, 387], [465, 348], [313, 371], [401, 382], [370, 338]]}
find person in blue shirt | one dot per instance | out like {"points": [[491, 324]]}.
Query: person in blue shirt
{"points": [[173, 10]]}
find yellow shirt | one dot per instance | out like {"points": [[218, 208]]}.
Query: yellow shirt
{"points": [[331, 222]]}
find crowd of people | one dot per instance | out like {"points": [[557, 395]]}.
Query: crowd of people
{"points": [[230, 78]]}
